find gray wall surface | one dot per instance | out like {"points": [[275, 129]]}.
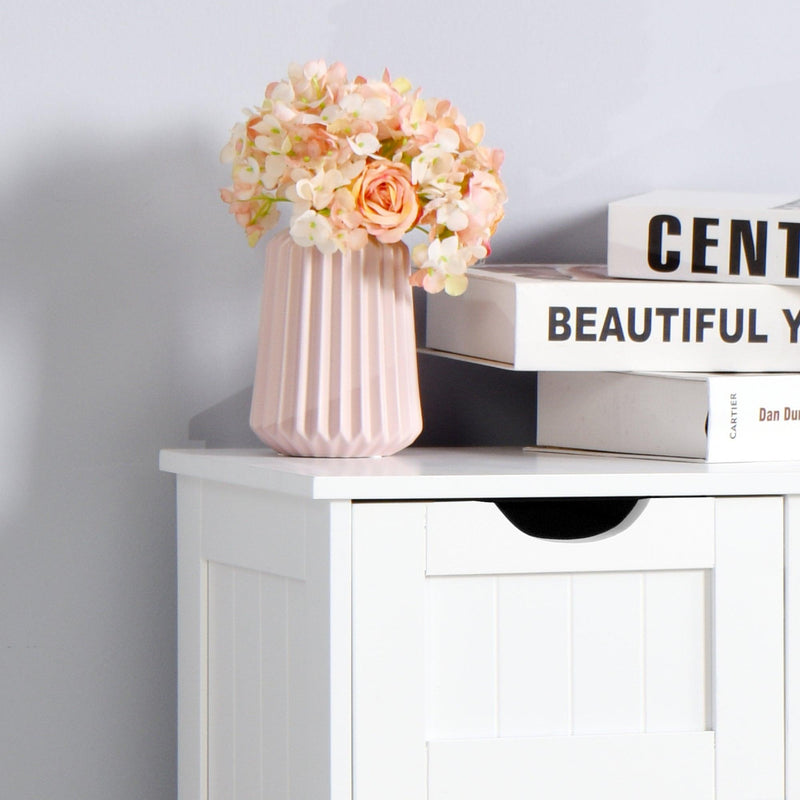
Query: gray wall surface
{"points": [[129, 298]]}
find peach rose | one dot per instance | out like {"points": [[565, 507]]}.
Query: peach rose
{"points": [[385, 200]]}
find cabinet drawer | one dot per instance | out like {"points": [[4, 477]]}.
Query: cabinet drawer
{"points": [[664, 533], [642, 661]]}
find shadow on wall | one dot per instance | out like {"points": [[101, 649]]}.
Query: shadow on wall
{"points": [[122, 312], [474, 405], [226, 424]]}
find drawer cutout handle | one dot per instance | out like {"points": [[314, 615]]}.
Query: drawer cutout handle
{"points": [[569, 518]]}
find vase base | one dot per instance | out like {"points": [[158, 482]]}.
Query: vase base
{"points": [[327, 449], [338, 458]]}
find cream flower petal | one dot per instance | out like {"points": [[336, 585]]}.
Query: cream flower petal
{"points": [[448, 140], [434, 282], [364, 144], [312, 229], [374, 109], [455, 284]]}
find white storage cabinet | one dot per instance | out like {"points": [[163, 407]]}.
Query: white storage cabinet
{"points": [[375, 630]]}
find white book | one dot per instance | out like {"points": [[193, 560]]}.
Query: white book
{"points": [[705, 417], [573, 317], [706, 236]]}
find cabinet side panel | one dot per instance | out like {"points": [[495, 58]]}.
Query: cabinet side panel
{"points": [[792, 596], [749, 670], [389, 756]]}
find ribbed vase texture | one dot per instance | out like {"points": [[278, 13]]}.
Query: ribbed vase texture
{"points": [[336, 370]]}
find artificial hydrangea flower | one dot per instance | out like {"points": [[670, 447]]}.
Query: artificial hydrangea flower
{"points": [[366, 158]]}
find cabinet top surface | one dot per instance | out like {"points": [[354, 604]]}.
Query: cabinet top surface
{"points": [[473, 472]]}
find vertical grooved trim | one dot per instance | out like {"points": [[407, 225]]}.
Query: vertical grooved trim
{"points": [[571, 654], [497, 654], [643, 646]]}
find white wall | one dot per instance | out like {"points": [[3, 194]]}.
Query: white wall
{"points": [[128, 297]]}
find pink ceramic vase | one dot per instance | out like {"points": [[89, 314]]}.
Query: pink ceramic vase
{"points": [[336, 370]]}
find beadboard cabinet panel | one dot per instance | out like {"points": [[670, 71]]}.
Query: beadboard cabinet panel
{"points": [[535, 634], [608, 647], [560, 653], [248, 684], [461, 658], [677, 650]]}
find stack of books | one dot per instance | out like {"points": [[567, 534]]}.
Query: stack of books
{"points": [[685, 345]]}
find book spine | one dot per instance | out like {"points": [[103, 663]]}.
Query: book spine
{"points": [[648, 326], [704, 244], [754, 418]]}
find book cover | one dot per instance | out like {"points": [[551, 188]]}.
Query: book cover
{"points": [[716, 418], [574, 317], [706, 236]]}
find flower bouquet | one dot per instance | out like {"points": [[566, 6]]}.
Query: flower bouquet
{"points": [[367, 158]]}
